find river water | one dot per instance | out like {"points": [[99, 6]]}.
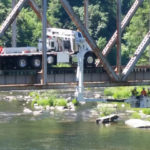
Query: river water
{"points": [[64, 131]]}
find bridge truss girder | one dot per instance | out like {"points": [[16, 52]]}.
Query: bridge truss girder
{"points": [[89, 39], [124, 23], [145, 42], [16, 10]]}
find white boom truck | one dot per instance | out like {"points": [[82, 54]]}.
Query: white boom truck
{"points": [[62, 47]]}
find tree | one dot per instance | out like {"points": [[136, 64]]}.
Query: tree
{"points": [[136, 31]]}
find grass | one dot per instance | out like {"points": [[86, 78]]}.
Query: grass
{"points": [[75, 102], [47, 99], [62, 65], [135, 115], [121, 92], [105, 111]]}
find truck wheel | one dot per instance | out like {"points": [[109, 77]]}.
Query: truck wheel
{"points": [[89, 59], [22, 62], [36, 62], [51, 60]]}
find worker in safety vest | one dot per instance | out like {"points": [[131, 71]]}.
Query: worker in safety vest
{"points": [[1, 49], [148, 92], [134, 92], [143, 92]]}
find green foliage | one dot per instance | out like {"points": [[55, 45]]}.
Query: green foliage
{"points": [[135, 115], [75, 102], [108, 92], [146, 111], [60, 102], [105, 111], [97, 19], [62, 65], [47, 99], [118, 92], [121, 92], [138, 28], [122, 106]]}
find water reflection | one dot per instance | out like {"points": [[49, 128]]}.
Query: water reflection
{"points": [[64, 131]]}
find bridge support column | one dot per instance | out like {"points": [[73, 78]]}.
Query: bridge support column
{"points": [[79, 76], [44, 55]]}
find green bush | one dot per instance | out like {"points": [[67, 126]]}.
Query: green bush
{"points": [[146, 111], [47, 99], [135, 115], [121, 92], [75, 102], [60, 102], [108, 92], [105, 111]]}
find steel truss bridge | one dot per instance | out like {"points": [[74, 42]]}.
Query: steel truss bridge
{"points": [[106, 76]]}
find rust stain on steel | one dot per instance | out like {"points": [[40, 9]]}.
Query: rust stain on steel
{"points": [[89, 39]]}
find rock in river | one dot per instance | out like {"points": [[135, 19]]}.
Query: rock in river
{"points": [[138, 123]]}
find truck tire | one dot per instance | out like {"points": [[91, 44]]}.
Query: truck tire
{"points": [[89, 59], [22, 62], [36, 62], [51, 60]]}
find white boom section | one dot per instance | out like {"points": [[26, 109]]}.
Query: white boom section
{"points": [[136, 56], [11, 17], [124, 23]]}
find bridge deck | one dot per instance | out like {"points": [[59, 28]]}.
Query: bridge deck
{"points": [[66, 78]]}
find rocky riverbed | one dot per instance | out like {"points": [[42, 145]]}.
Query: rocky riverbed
{"points": [[86, 111]]}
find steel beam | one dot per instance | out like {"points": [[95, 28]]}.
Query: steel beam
{"points": [[145, 42], [124, 23], [12, 16], [118, 64], [44, 48], [89, 39], [86, 14], [37, 10], [14, 27]]}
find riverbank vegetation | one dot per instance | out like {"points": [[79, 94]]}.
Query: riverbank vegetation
{"points": [[50, 98], [47, 99], [106, 109], [121, 92]]}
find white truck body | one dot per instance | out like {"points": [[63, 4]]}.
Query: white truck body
{"points": [[11, 50], [62, 47]]}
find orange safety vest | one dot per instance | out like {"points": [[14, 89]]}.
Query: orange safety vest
{"points": [[1, 49], [143, 93]]}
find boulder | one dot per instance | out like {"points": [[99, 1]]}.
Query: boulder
{"points": [[138, 123], [37, 113], [27, 111]]}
